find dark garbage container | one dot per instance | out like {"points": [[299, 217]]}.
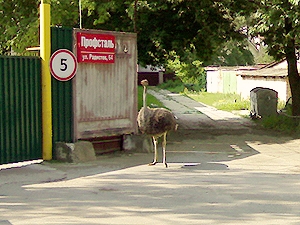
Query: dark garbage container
{"points": [[263, 102]]}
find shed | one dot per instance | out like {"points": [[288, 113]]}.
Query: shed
{"points": [[224, 79], [272, 78], [243, 79], [105, 87], [155, 75]]}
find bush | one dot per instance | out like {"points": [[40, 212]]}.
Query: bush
{"points": [[175, 86], [188, 69], [282, 123]]}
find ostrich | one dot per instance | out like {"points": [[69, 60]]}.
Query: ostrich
{"points": [[155, 122]]}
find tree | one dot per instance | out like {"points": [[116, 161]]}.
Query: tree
{"points": [[19, 22], [162, 26], [278, 22], [189, 69], [232, 53], [166, 26]]}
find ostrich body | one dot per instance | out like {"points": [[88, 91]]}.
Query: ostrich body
{"points": [[157, 123]]}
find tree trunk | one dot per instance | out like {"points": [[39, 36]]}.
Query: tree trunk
{"points": [[293, 74], [294, 81]]}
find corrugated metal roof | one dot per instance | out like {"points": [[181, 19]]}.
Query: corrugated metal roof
{"points": [[267, 72], [232, 68]]}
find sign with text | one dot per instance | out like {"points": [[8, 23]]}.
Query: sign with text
{"points": [[95, 48]]}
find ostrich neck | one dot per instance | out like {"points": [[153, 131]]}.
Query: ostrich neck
{"points": [[145, 97]]}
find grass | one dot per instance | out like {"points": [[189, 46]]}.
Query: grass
{"points": [[151, 100], [230, 102], [227, 102], [282, 123]]}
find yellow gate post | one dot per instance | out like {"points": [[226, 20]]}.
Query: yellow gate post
{"points": [[45, 51]]}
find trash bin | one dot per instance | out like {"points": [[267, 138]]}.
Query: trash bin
{"points": [[263, 102]]}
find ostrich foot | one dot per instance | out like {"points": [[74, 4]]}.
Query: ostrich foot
{"points": [[152, 164], [166, 165]]}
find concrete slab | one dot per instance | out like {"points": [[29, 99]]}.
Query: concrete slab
{"points": [[208, 193]]}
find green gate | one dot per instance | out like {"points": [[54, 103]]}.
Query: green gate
{"points": [[229, 82], [20, 109]]}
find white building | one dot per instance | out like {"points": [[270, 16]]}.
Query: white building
{"points": [[241, 80]]}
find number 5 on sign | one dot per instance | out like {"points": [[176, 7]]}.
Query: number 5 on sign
{"points": [[63, 65]]}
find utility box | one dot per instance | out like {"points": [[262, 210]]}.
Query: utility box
{"points": [[263, 102]]}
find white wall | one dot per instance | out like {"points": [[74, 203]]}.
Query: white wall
{"points": [[214, 81], [246, 84]]}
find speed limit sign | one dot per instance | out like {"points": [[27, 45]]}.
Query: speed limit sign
{"points": [[63, 65]]}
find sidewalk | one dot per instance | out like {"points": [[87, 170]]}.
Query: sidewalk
{"points": [[206, 116]]}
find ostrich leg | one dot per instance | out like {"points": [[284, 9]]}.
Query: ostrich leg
{"points": [[155, 151], [164, 143]]}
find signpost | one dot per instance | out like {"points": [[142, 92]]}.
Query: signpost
{"points": [[45, 49], [63, 65]]}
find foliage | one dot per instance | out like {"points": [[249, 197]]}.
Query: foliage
{"points": [[282, 123], [189, 70], [108, 15], [19, 22], [270, 20], [175, 86], [203, 24], [262, 57], [64, 13], [232, 53]]}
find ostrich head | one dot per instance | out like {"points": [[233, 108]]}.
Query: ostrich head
{"points": [[145, 83]]}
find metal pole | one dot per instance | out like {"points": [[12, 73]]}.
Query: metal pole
{"points": [[80, 16], [135, 16], [45, 51]]}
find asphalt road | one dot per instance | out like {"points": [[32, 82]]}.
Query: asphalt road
{"points": [[223, 169]]}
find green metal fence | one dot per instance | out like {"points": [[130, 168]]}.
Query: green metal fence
{"points": [[62, 105], [20, 109], [20, 104]]}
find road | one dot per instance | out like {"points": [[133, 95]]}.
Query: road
{"points": [[223, 169]]}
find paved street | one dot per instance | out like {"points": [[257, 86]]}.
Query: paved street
{"points": [[222, 170]]}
